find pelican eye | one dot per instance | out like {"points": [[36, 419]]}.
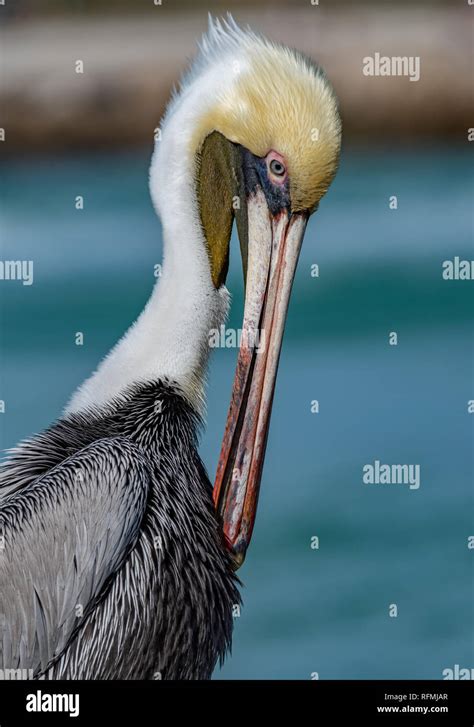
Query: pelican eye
{"points": [[277, 168]]}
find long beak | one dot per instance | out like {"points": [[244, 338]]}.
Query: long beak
{"points": [[274, 243]]}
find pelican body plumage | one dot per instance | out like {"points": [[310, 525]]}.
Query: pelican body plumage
{"points": [[154, 597], [118, 556]]}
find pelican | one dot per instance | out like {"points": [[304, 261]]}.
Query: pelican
{"points": [[118, 558]]}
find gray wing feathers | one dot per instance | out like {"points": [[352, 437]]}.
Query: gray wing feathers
{"points": [[64, 536]]}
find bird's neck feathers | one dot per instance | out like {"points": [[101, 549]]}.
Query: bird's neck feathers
{"points": [[170, 339]]}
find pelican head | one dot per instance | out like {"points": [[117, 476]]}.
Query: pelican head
{"points": [[253, 135]]}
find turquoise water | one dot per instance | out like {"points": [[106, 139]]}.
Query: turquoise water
{"points": [[306, 610]]}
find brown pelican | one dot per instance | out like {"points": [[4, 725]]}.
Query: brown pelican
{"points": [[115, 564]]}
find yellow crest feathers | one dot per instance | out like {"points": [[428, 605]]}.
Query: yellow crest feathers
{"points": [[276, 99]]}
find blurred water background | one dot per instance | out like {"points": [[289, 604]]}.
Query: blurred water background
{"points": [[306, 610]]}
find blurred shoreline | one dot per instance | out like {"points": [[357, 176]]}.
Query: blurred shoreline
{"points": [[131, 64]]}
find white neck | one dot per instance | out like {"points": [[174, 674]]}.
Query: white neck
{"points": [[170, 339]]}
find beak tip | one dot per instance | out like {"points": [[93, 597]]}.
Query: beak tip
{"points": [[238, 559]]}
